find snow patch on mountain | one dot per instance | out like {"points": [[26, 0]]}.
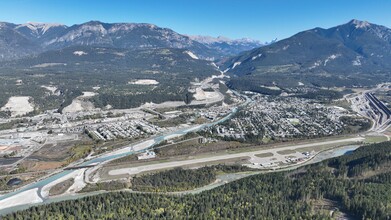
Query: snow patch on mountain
{"points": [[316, 64], [236, 64], [79, 53], [357, 62], [192, 55], [39, 28], [331, 57], [361, 24], [257, 56]]}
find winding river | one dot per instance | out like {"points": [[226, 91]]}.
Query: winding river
{"points": [[121, 153], [226, 178], [107, 157]]}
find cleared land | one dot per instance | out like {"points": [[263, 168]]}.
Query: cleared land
{"points": [[61, 188], [139, 169], [51, 89], [80, 103], [264, 155], [145, 82], [375, 139], [286, 152], [18, 106], [203, 95]]}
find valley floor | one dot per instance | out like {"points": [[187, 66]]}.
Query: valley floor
{"points": [[89, 165]]}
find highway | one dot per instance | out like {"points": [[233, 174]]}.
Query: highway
{"points": [[383, 115]]}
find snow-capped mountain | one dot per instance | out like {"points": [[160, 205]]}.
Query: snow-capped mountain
{"points": [[124, 35], [226, 45], [221, 39], [18, 40], [34, 30]]}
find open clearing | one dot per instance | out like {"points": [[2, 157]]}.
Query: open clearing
{"points": [[33, 165], [80, 104], [79, 53], [18, 105], [202, 95], [145, 82], [43, 65], [375, 139], [51, 89], [285, 152], [264, 155], [61, 188], [87, 94]]}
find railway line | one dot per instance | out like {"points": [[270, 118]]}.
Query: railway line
{"points": [[382, 117]]}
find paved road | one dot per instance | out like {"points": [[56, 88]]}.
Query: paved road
{"points": [[139, 169]]}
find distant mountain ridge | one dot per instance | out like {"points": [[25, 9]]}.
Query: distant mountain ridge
{"points": [[18, 40], [228, 46], [34, 30]]}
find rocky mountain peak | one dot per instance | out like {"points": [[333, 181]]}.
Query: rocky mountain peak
{"points": [[360, 24]]}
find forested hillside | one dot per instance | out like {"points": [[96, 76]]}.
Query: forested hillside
{"points": [[110, 72], [356, 185]]}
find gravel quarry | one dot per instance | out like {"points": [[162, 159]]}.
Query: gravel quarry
{"points": [[80, 103], [18, 105]]}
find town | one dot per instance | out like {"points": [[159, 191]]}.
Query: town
{"points": [[270, 118]]}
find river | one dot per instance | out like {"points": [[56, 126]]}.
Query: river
{"points": [[223, 179], [110, 156], [122, 153]]}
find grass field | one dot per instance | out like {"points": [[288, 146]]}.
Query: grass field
{"points": [[375, 139], [62, 187], [322, 147], [264, 155], [286, 152]]}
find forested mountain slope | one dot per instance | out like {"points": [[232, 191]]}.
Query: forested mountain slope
{"points": [[353, 54]]}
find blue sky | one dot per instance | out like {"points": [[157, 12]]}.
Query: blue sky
{"points": [[259, 19]]}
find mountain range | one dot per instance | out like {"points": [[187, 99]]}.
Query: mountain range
{"points": [[356, 53], [355, 49], [228, 46], [19, 40], [357, 46]]}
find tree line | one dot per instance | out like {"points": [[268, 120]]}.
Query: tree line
{"points": [[358, 184]]}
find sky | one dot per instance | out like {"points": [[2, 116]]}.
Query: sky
{"points": [[263, 20]]}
